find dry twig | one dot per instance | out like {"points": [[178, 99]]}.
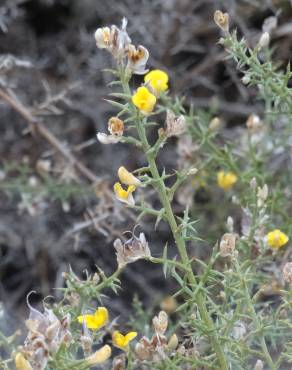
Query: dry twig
{"points": [[46, 134]]}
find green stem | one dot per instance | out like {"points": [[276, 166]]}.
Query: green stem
{"points": [[184, 256], [180, 242], [256, 322]]}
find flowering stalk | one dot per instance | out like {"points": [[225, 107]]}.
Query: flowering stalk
{"points": [[159, 185]]}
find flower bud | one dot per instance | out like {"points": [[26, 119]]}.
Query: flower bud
{"points": [[262, 195], [253, 122], [222, 20], [253, 183], [21, 363], [259, 365], [264, 40], [192, 171], [100, 356], [227, 245], [160, 322], [230, 224], [43, 167], [214, 124], [270, 24], [245, 80], [173, 342], [168, 304], [127, 177]]}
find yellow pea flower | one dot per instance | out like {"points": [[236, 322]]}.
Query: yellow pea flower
{"points": [[157, 80], [144, 100], [21, 363], [100, 356], [226, 180], [95, 321], [127, 177], [122, 341], [123, 195], [277, 239]]}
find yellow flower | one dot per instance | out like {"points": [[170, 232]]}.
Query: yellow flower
{"points": [[123, 195], [144, 100], [21, 363], [226, 180], [122, 341], [127, 178], [157, 80], [277, 239], [100, 356], [95, 321]]}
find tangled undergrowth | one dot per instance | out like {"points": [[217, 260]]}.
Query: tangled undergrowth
{"points": [[231, 310]]}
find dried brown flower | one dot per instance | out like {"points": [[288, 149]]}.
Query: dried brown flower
{"points": [[115, 40], [160, 322], [137, 59], [222, 20], [46, 333], [175, 126], [132, 250], [116, 126], [227, 245]]}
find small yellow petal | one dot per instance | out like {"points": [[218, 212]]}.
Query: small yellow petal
{"points": [[120, 192], [96, 321], [127, 177], [101, 316], [277, 239], [88, 320], [129, 337], [144, 100], [100, 356], [21, 363], [173, 342], [157, 80], [226, 180], [118, 339], [124, 195], [122, 341]]}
